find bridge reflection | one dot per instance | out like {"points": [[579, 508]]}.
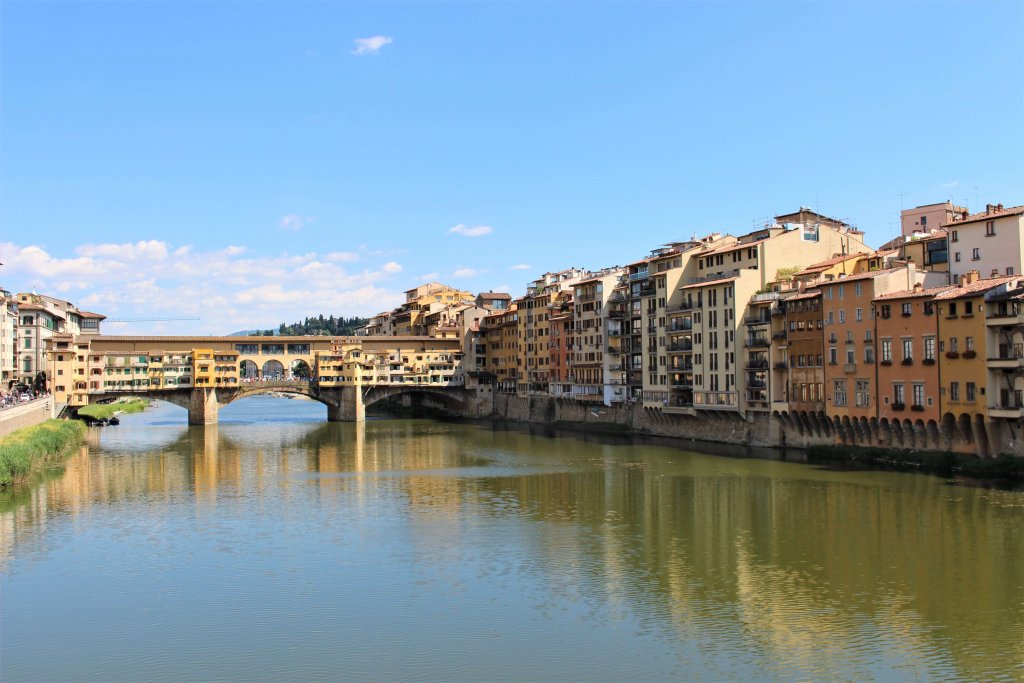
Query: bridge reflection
{"points": [[808, 568]]}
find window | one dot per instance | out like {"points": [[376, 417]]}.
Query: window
{"points": [[842, 316], [857, 288], [833, 356], [839, 393], [954, 391], [919, 395], [851, 356], [968, 308], [929, 348], [1009, 270], [952, 345], [929, 308], [869, 354], [862, 397], [897, 395], [969, 343], [971, 392], [976, 254], [990, 228], [955, 237], [887, 350], [907, 309], [859, 315], [886, 311], [956, 257], [841, 290], [908, 349]]}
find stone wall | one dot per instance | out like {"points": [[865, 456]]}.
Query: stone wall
{"points": [[27, 415], [777, 430]]}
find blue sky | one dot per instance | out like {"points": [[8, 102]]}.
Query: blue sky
{"points": [[153, 154]]}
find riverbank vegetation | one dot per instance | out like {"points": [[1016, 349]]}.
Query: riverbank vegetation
{"points": [[944, 463], [26, 450], [104, 411]]}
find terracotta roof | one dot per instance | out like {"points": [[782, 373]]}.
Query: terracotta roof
{"points": [[913, 294], [975, 288], [810, 294], [822, 265], [860, 276], [90, 314], [985, 216], [710, 283]]}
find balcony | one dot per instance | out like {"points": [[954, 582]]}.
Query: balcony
{"points": [[952, 355], [757, 365], [907, 361], [679, 308], [685, 326], [1006, 411], [917, 408], [757, 342], [680, 347], [850, 368], [898, 407], [779, 336], [781, 365], [1006, 362]]}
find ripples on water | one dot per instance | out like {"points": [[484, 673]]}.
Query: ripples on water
{"points": [[277, 546]]}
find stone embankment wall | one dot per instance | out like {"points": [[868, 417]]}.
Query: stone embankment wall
{"points": [[771, 430], [26, 415]]}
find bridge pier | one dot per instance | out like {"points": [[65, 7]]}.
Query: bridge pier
{"points": [[203, 409], [351, 407]]}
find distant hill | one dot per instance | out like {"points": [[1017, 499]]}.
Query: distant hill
{"points": [[318, 326]]}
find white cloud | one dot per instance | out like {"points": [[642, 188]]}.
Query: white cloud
{"points": [[503, 288], [341, 256], [427, 277], [294, 221], [371, 45], [230, 289], [519, 266], [468, 272], [475, 231]]}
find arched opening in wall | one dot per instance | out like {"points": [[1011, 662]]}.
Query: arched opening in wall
{"points": [[273, 369], [948, 431], [249, 371], [300, 369], [271, 403], [934, 441], [909, 438], [413, 398], [981, 436], [849, 435], [964, 422]]}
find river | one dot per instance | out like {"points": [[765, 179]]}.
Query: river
{"points": [[277, 546]]}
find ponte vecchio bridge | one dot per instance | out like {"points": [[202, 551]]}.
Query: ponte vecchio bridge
{"points": [[202, 374]]}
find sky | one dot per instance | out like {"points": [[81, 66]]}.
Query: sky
{"points": [[252, 163]]}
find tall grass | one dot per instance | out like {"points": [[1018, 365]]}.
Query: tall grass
{"points": [[26, 450], [103, 411]]}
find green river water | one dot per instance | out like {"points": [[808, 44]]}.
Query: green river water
{"points": [[277, 546]]}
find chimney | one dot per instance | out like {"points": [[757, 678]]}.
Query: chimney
{"points": [[999, 207], [969, 277], [995, 272], [918, 287], [990, 208]]}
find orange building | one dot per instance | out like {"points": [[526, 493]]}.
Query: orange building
{"points": [[908, 370]]}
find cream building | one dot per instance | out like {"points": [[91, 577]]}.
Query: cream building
{"points": [[991, 242], [40, 317], [596, 351], [8, 338]]}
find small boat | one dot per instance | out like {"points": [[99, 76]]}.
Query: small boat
{"points": [[113, 421]]}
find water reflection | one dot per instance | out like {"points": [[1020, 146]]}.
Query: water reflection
{"points": [[713, 568]]}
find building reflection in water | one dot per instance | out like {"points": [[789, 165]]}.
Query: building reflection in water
{"points": [[802, 568]]}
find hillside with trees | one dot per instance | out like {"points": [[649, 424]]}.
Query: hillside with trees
{"points": [[318, 326]]}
